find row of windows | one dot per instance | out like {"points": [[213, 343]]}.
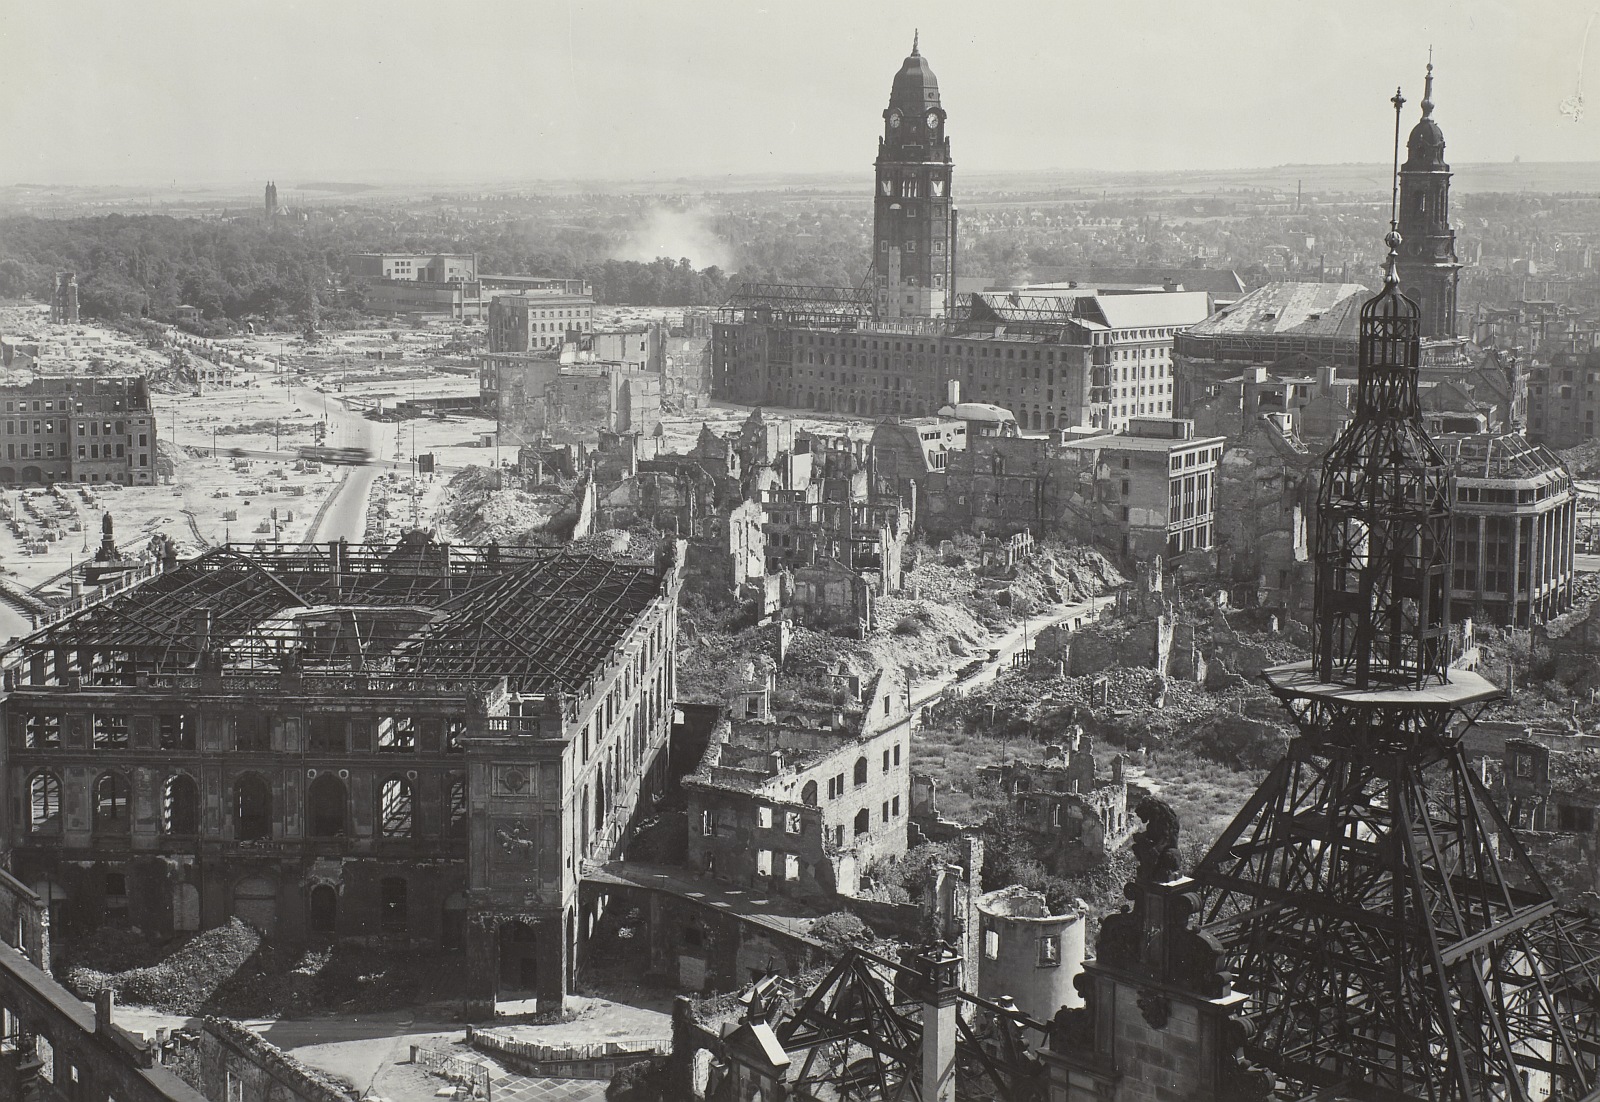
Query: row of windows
{"points": [[65, 405], [251, 732], [250, 806], [91, 451], [85, 428], [1189, 539]]}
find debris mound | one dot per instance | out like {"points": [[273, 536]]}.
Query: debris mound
{"points": [[186, 980]]}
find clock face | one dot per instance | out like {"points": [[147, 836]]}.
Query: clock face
{"points": [[933, 120], [894, 119]]}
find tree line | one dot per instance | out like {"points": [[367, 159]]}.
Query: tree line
{"points": [[148, 265]]}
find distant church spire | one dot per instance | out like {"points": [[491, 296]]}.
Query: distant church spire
{"points": [[1427, 87], [916, 34]]}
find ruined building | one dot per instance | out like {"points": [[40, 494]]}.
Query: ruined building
{"points": [[64, 299], [416, 745], [1515, 527], [69, 429], [799, 795], [1060, 800]]}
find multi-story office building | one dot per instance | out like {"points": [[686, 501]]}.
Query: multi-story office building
{"points": [[1058, 357], [71, 429], [416, 745], [420, 283], [1154, 486], [1564, 399], [1515, 524], [1056, 361]]}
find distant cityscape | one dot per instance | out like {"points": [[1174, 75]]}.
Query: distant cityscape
{"points": [[1054, 641]]}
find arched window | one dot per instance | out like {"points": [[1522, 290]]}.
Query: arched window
{"points": [[252, 809], [863, 822], [180, 805], [44, 803], [325, 806], [455, 815], [394, 809], [861, 772], [808, 794], [111, 804]]}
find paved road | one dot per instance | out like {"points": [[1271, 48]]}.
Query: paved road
{"points": [[1008, 645], [1586, 564], [346, 517]]}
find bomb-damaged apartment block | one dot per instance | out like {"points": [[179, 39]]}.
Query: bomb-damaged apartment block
{"points": [[411, 745], [799, 794]]}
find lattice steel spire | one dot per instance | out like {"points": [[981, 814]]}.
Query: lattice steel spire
{"points": [[1390, 934]]}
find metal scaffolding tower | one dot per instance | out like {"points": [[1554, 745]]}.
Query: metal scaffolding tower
{"points": [[1388, 930]]}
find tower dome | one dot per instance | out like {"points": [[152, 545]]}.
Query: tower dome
{"points": [[1425, 146], [915, 86]]}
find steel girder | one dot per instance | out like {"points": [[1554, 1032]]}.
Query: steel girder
{"points": [[1389, 931]]}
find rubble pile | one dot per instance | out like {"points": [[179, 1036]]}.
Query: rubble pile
{"points": [[182, 983], [473, 511], [636, 544]]}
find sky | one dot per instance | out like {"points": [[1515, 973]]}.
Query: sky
{"points": [[396, 91]]}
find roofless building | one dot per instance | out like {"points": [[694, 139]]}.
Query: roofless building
{"points": [[413, 745]]}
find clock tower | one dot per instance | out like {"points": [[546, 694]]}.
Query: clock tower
{"points": [[913, 239], [1429, 270]]}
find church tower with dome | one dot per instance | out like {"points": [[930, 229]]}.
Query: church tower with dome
{"points": [[913, 240], [1429, 270]]}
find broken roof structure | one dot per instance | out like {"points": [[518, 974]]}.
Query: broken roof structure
{"points": [[542, 619]]}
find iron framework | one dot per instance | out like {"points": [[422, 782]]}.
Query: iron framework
{"points": [[1390, 933], [545, 620], [858, 1037]]}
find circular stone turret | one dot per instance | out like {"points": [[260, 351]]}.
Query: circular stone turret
{"points": [[1028, 953]]}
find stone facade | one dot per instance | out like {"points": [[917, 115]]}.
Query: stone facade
{"points": [[66, 429], [315, 802], [801, 800], [1029, 953], [1078, 816], [237, 1065]]}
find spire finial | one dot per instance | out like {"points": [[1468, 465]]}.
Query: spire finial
{"points": [[1427, 87], [1392, 238], [916, 34]]}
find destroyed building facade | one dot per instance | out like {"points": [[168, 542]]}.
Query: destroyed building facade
{"points": [[800, 795], [69, 429], [1079, 817], [412, 745]]}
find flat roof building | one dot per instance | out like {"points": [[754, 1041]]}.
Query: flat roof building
{"points": [[1154, 486], [77, 429]]}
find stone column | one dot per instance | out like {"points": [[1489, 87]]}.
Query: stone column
{"points": [[483, 967], [939, 966]]}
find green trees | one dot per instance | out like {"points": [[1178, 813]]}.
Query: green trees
{"points": [[233, 269]]}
